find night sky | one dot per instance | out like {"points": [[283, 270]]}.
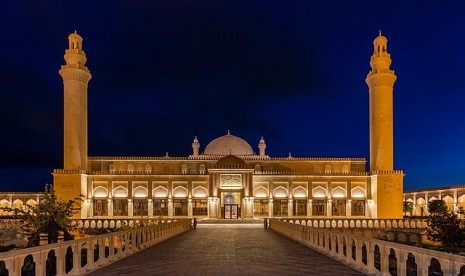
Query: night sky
{"points": [[290, 71]]}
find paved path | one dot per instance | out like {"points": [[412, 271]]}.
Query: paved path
{"points": [[227, 250]]}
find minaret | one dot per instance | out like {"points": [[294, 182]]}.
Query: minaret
{"points": [[261, 147], [195, 147], [75, 76], [380, 81]]}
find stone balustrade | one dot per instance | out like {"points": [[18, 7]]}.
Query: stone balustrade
{"points": [[80, 256], [113, 223], [372, 256], [359, 223]]}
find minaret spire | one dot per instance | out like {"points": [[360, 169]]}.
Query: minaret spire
{"points": [[261, 147], [75, 76], [195, 146], [380, 81]]}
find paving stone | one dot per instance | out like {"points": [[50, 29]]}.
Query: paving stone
{"points": [[227, 250]]}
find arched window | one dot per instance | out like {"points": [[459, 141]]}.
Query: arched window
{"points": [[112, 168], [148, 168], [130, 168], [345, 169], [202, 169], [184, 169], [327, 169]]}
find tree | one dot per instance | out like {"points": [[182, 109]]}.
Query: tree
{"points": [[444, 226], [50, 216], [407, 207]]}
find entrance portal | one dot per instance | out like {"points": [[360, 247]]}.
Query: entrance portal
{"points": [[231, 211]]}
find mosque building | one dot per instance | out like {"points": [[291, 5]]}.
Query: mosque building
{"points": [[226, 179]]}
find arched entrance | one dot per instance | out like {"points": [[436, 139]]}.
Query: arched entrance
{"points": [[230, 207]]}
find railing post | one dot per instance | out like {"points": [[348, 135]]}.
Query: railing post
{"points": [[60, 254], [90, 255], [101, 252]]}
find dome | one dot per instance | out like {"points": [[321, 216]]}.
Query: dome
{"points": [[230, 160], [228, 145]]}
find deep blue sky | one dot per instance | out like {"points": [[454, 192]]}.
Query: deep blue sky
{"points": [[291, 71]]}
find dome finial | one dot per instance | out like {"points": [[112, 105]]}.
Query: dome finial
{"points": [[229, 132], [379, 33]]}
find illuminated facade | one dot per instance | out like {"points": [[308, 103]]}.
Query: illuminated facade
{"points": [[228, 179], [453, 196]]}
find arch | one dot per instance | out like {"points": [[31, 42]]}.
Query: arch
{"points": [[449, 202], [299, 192], [100, 191], [434, 267], [120, 191], [29, 266], [421, 207], [258, 168], [3, 269], [354, 250], [392, 262], [229, 198], [461, 199], [364, 254], [140, 191], [280, 191], [31, 202], [18, 203], [3, 204], [261, 192], [83, 254], [411, 265], [130, 168], [112, 168], [462, 270], [180, 191], [202, 169], [358, 192], [345, 169], [51, 263], [377, 258], [148, 168], [199, 191], [184, 169], [432, 198], [327, 169], [319, 191], [160, 191], [338, 192]]}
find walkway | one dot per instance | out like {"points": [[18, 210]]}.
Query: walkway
{"points": [[227, 250]]}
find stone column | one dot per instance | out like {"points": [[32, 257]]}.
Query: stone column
{"points": [[329, 207], [367, 211], [130, 208], [270, 207], [290, 205], [426, 204], [90, 208], [189, 207], [309, 208], [170, 207], [349, 208], [150, 207], [110, 208]]}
